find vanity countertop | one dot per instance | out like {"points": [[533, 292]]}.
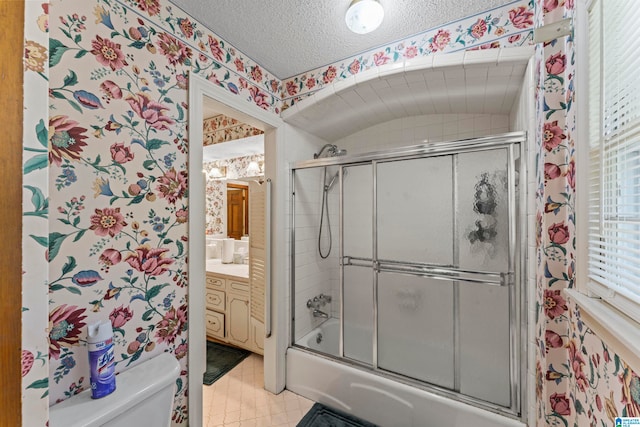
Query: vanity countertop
{"points": [[234, 270]]}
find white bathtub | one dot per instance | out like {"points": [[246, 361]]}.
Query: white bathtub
{"points": [[329, 332], [375, 398]]}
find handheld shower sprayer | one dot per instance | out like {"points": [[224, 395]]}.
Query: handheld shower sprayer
{"points": [[331, 151], [333, 179]]}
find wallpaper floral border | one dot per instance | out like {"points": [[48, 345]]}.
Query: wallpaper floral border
{"points": [[188, 43], [221, 128], [506, 26]]}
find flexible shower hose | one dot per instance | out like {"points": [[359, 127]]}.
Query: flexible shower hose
{"points": [[325, 207]]}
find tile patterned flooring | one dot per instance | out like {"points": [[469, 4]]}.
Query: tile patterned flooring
{"points": [[238, 399]]}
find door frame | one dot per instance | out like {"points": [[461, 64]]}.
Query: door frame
{"points": [[237, 107], [11, 99]]}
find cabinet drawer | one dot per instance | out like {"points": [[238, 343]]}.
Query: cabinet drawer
{"points": [[215, 324], [215, 283], [215, 299], [235, 286]]}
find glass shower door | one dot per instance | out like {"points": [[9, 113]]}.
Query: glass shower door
{"points": [[415, 328], [483, 224], [426, 267], [443, 261], [415, 334], [357, 260]]}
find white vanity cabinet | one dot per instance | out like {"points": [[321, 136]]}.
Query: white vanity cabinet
{"points": [[238, 330], [228, 313], [216, 307]]}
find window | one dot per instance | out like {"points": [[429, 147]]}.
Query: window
{"points": [[614, 154]]}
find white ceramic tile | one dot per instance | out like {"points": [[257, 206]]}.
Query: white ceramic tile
{"points": [[457, 103], [395, 68], [450, 128], [413, 75], [367, 93], [519, 54], [474, 57], [379, 83], [418, 63], [449, 59], [454, 73], [320, 95], [433, 76], [351, 98], [397, 80], [367, 76], [385, 92], [344, 84], [417, 86]]}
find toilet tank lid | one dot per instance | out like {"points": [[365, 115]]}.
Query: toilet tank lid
{"points": [[132, 387]]}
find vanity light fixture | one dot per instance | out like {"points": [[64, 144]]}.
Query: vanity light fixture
{"points": [[364, 16], [217, 172], [253, 169]]}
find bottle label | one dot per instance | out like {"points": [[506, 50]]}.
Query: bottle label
{"points": [[103, 378]]}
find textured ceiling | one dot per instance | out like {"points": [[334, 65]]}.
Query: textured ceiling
{"points": [[289, 37]]}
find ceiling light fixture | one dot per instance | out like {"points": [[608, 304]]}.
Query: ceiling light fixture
{"points": [[364, 16]]}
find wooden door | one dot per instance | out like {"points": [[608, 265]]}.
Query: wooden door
{"points": [[11, 99], [237, 211]]}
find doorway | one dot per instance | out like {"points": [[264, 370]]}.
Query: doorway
{"points": [[201, 90]]}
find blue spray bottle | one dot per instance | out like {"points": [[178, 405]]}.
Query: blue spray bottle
{"points": [[101, 360]]}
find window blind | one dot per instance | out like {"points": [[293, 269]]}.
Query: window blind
{"points": [[614, 153]]}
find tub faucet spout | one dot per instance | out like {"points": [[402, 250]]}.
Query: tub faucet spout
{"points": [[319, 313]]}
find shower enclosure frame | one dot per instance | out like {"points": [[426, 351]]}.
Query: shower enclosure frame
{"points": [[516, 278]]}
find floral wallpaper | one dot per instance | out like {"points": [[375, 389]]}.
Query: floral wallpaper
{"points": [[579, 380], [555, 220], [506, 26], [221, 128], [216, 215], [109, 157], [216, 196], [118, 190], [602, 386], [35, 214]]}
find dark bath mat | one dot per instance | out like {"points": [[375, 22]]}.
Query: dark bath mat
{"points": [[221, 359], [322, 416]]}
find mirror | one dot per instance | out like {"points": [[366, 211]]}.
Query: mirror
{"points": [[237, 210]]}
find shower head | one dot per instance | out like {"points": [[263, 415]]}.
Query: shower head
{"points": [[332, 151]]}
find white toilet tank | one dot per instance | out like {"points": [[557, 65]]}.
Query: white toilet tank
{"points": [[143, 397]]}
